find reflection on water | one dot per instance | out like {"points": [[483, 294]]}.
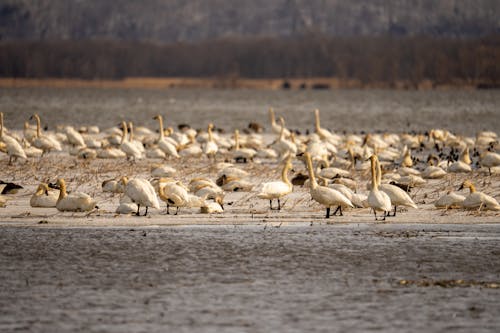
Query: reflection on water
{"points": [[342, 110]]}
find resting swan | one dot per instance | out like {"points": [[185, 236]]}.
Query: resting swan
{"points": [[13, 147], [277, 189], [43, 197], [478, 199], [73, 202], [326, 196], [167, 146], [46, 143]]}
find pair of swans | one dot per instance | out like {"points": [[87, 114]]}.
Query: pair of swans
{"points": [[74, 201]]}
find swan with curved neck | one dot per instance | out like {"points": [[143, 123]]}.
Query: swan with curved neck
{"points": [[241, 153], [43, 198], [74, 202], [277, 189], [44, 142], [13, 147], [477, 199], [275, 127], [211, 147], [377, 200], [324, 195], [128, 147], [141, 192], [167, 145]]}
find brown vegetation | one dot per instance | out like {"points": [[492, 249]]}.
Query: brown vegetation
{"points": [[414, 62]]}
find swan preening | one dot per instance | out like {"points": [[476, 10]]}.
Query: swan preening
{"points": [[416, 167]]}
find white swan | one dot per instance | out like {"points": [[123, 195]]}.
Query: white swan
{"points": [[212, 207], [242, 153], [324, 134], [377, 200], [396, 194], [490, 160], [174, 195], [73, 202], [477, 199], [210, 149], [450, 200], [326, 196], [13, 147], [283, 146], [463, 164], [44, 142], [129, 148], [126, 206], [432, 171], [43, 197], [141, 192], [275, 127], [74, 138], [277, 189], [112, 186], [167, 146]]}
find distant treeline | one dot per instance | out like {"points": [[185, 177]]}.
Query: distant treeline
{"points": [[369, 60]]}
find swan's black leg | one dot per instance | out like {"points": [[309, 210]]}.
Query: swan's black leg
{"points": [[341, 211], [138, 206], [146, 213], [327, 212], [279, 204], [336, 210]]}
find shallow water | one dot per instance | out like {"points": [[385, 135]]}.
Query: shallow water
{"points": [[465, 112], [319, 278]]}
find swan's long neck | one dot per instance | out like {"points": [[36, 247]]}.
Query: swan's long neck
{"points": [[38, 130], [237, 140], [312, 180], [374, 174], [465, 156], [161, 193], [62, 189], [131, 133], [125, 132], [160, 122], [210, 135], [282, 132], [316, 120], [1, 124], [272, 119], [379, 172], [284, 173], [472, 188], [40, 190]]}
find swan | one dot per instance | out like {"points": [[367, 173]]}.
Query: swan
{"points": [[163, 171], [326, 196], [478, 199], [13, 147], [74, 138], [192, 148], [275, 127], [490, 160], [462, 165], [43, 197], [138, 144], [126, 206], [242, 153], [74, 202], [112, 186], [141, 192], [432, 171], [44, 142], [283, 146], [450, 200], [167, 146], [324, 134], [210, 148], [277, 189], [212, 207], [377, 200], [232, 184], [174, 195], [110, 152], [129, 148]]}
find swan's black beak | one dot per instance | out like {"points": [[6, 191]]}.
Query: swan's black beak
{"points": [[461, 187], [52, 185]]}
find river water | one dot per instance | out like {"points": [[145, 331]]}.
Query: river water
{"points": [[260, 278], [462, 111]]}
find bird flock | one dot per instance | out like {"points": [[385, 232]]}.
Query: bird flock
{"points": [[331, 167]]}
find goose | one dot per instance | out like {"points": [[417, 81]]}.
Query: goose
{"points": [[44, 142], [396, 194], [478, 199], [377, 200], [242, 153], [129, 148], [169, 147], [449, 200], [13, 147], [275, 127], [43, 197], [490, 160], [326, 196], [141, 192], [277, 189], [73, 202], [210, 149]]}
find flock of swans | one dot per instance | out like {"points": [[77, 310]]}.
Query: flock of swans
{"points": [[331, 166]]}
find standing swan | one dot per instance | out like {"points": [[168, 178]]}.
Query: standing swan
{"points": [[275, 127], [141, 192], [377, 199], [324, 195], [167, 146], [277, 189], [129, 148], [74, 202], [210, 148]]}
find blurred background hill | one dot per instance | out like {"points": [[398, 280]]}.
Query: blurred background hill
{"points": [[365, 40]]}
